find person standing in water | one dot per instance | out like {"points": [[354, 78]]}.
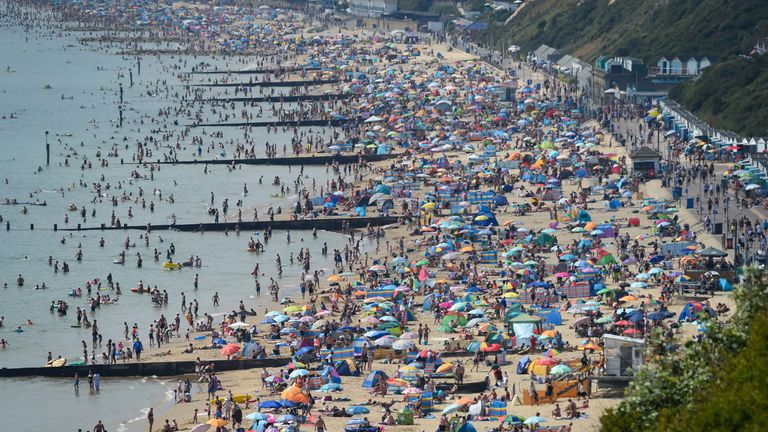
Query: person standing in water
{"points": [[151, 418]]}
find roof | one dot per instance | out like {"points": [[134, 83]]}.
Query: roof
{"points": [[624, 339], [645, 152]]}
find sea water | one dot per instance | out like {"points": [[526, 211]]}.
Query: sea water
{"points": [[80, 113]]}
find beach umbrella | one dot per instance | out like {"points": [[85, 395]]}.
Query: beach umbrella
{"points": [[401, 344], [560, 370], [452, 408], [229, 349], [638, 285], [200, 428], [513, 420], [298, 373], [285, 418], [534, 420], [356, 409], [385, 341], [256, 416], [217, 422], [330, 387], [238, 325], [605, 320], [270, 404]]}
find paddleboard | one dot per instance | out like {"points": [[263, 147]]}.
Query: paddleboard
{"points": [[235, 398]]}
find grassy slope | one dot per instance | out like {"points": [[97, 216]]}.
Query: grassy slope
{"points": [[731, 96], [642, 28]]}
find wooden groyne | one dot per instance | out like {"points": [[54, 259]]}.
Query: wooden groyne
{"points": [[279, 99], [151, 368], [280, 123], [289, 160], [256, 71], [327, 224], [294, 83]]}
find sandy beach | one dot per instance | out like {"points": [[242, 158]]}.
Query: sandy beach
{"points": [[510, 209]]}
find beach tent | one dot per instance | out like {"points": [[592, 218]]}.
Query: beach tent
{"points": [[373, 378], [427, 306], [294, 394], [476, 409], [550, 316], [692, 310], [606, 260], [467, 427], [522, 365], [501, 200], [584, 216], [545, 239], [330, 375], [347, 367], [725, 285]]}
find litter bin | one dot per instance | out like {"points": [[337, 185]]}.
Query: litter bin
{"points": [[689, 203], [718, 229]]}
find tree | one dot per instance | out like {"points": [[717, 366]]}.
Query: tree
{"points": [[676, 382]]}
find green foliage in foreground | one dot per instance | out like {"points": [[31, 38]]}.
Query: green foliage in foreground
{"points": [[719, 384], [731, 94]]}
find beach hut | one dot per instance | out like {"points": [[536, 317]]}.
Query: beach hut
{"points": [[373, 378], [645, 161]]}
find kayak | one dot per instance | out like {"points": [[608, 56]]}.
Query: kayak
{"points": [[171, 265], [140, 291]]}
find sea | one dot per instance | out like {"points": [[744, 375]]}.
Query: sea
{"points": [[54, 88]]}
